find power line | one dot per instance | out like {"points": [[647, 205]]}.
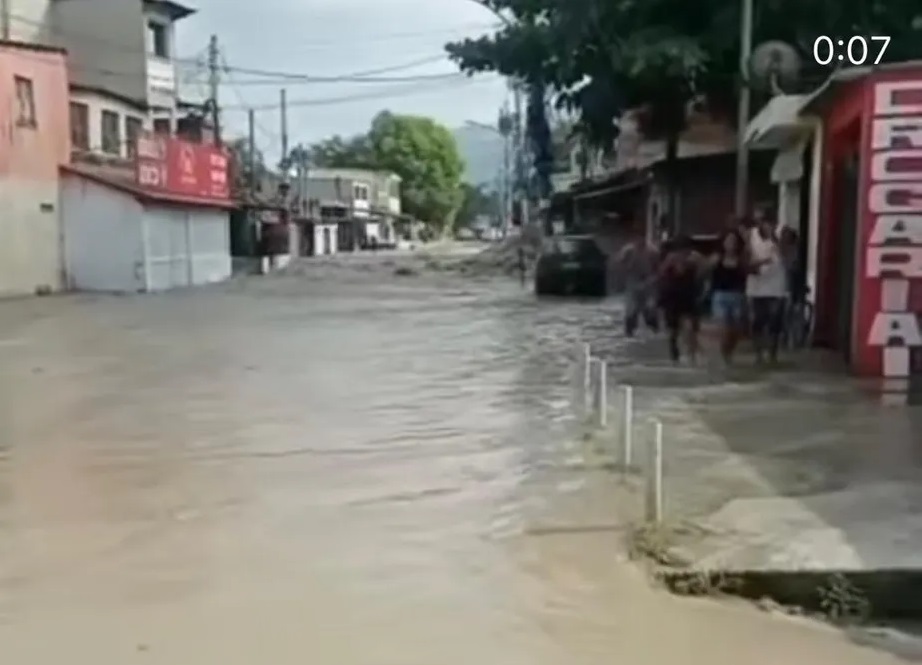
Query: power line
{"points": [[398, 36], [365, 76], [381, 94], [231, 83]]}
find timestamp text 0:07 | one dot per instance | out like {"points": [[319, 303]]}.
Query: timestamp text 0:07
{"points": [[855, 51]]}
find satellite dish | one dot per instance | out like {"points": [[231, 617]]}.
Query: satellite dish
{"points": [[774, 66]]}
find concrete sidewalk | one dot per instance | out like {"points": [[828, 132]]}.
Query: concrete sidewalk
{"points": [[792, 469]]}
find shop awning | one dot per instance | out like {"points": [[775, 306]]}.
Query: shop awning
{"points": [[779, 122]]}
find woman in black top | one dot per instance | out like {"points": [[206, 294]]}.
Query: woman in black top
{"points": [[728, 292]]}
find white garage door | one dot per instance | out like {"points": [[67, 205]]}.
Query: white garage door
{"points": [[186, 247]]}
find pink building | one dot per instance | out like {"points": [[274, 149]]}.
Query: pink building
{"points": [[34, 143]]}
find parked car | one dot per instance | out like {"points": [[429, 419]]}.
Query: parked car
{"points": [[571, 265]]}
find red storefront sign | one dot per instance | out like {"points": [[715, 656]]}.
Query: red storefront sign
{"points": [[172, 166], [889, 297]]}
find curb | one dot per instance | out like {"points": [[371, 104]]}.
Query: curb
{"points": [[884, 594]]}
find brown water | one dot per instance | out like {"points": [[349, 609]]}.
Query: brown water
{"points": [[345, 468]]}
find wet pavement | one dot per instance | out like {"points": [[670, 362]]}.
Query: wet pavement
{"points": [[342, 465]]}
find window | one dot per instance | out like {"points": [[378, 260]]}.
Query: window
{"points": [[360, 192], [25, 98], [111, 136], [133, 128], [162, 126], [158, 42], [79, 126]]}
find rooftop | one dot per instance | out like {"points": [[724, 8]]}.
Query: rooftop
{"points": [[25, 46], [172, 9]]}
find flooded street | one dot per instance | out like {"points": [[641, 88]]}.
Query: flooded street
{"points": [[345, 467]]}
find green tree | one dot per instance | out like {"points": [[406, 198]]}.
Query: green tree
{"points": [[425, 156], [340, 152], [602, 57], [475, 201]]}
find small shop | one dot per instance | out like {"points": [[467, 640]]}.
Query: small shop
{"points": [[165, 226], [865, 221]]}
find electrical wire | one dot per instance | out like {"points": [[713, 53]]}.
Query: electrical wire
{"points": [[398, 36], [381, 94], [364, 76], [271, 136]]}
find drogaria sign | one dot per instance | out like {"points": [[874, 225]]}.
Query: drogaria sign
{"points": [[891, 232]]}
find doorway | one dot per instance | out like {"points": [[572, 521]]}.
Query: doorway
{"points": [[327, 240], [845, 188]]}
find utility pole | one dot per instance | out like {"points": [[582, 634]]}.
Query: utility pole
{"points": [[251, 150], [284, 109], [214, 82], [745, 101], [5, 19], [521, 193]]}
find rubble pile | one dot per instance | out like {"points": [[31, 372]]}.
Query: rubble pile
{"points": [[503, 257]]}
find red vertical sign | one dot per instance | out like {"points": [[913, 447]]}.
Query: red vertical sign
{"points": [[888, 340]]}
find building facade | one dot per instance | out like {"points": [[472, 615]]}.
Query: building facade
{"points": [[122, 63], [164, 225], [34, 142], [370, 198]]}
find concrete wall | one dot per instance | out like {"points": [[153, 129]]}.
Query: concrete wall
{"points": [[102, 237], [30, 232], [96, 104], [105, 41]]}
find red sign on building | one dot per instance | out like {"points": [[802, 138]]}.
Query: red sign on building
{"points": [[173, 166], [889, 294]]}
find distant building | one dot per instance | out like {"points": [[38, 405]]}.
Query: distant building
{"points": [[370, 199]]}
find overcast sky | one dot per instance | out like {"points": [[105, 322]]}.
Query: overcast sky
{"points": [[341, 37]]}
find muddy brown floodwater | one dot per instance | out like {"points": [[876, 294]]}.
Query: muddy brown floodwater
{"points": [[341, 467]]}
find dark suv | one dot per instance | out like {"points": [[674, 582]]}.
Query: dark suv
{"points": [[571, 265]]}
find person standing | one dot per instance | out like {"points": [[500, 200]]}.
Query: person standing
{"points": [[728, 292], [767, 290], [680, 291], [638, 264]]}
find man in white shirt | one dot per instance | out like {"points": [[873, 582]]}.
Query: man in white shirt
{"points": [[767, 290]]}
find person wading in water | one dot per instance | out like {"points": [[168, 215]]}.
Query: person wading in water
{"points": [[638, 262], [767, 289], [728, 292], [680, 294]]}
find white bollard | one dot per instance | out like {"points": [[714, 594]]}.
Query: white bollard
{"points": [[627, 421], [603, 394], [587, 378], [654, 475]]}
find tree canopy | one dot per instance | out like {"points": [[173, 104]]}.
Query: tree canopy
{"points": [[476, 200], [425, 155], [600, 57], [421, 151]]}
